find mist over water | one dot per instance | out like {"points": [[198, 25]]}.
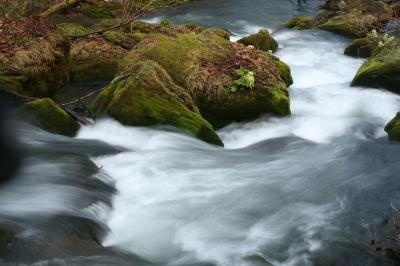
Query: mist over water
{"points": [[301, 190]]}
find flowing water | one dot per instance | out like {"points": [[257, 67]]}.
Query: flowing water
{"points": [[310, 189]]}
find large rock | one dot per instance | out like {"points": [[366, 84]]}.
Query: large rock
{"points": [[50, 117], [33, 57], [382, 69], [145, 95], [393, 128], [262, 41], [206, 64], [347, 17], [95, 59], [361, 48]]}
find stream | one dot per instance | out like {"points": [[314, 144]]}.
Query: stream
{"points": [[310, 189]]}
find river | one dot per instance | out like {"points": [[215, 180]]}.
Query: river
{"points": [[310, 189]]}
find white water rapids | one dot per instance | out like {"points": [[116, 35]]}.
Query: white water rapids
{"points": [[285, 189]]}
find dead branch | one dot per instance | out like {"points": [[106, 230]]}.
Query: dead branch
{"points": [[57, 7]]}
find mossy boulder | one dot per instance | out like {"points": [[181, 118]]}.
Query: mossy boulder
{"points": [[33, 57], [361, 48], [300, 23], [95, 59], [50, 117], [382, 69], [353, 18], [262, 41], [145, 95], [204, 63], [393, 128]]}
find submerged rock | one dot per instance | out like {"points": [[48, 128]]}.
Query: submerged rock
{"points": [[33, 57], [95, 59], [360, 48], [206, 64], [262, 41], [382, 69], [50, 117], [393, 128], [145, 95]]}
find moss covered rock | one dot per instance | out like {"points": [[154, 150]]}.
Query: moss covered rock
{"points": [[382, 69], [50, 117], [145, 95], [262, 41], [120, 38], [300, 23], [360, 48], [393, 128], [95, 59], [205, 64], [33, 58], [347, 17]]}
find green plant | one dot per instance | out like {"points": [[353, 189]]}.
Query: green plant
{"points": [[245, 80], [381, 39]]}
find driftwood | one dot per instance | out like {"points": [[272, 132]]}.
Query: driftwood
{"points": [[60, 6]]}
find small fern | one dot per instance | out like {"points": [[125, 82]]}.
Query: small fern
{"points": [[245, 80]]}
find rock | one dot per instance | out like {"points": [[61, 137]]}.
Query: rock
{"points": [[120, 38], [145, 95], [360, 48], [33, 57], [393, 128], [205, 65], [50, 117], [347, 17], [262, 41], [300, 23], [382, 69], [95, 59]]}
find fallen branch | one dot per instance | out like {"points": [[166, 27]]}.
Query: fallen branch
{"points": [[57, 7]]}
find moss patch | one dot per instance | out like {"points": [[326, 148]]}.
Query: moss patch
{"points": [[262, 41], [393, 128], [50, 117], [146, 95], [382, 70]]}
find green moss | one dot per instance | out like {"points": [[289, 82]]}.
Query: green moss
{"points": [[177, 54], [11, 83], [393, 128], [120, 38], [262, 41], [148, 96], [73, 29], [50, 117], [285, 72], [300, 23], [382, 70]]}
